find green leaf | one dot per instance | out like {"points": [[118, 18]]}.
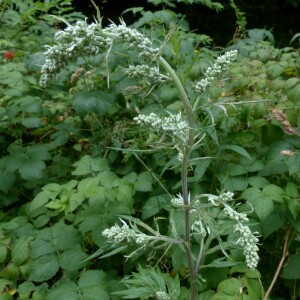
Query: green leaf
{"points": [[230, 287], [65, 236], [273, 192], [41, 199], [71, 259], [201, 167], [25, 289], [7, 180], [144, 182], [92, 278], [153, 205], [258, 181], [32, 169], [87, 165], [44, 268], [32, 122], [41, 247], [236, 149], [64, 290], [291, 268], [20, 250]]}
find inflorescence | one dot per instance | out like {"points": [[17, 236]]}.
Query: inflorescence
{"points": [[216, 70], [248, 240], [82, 39]]}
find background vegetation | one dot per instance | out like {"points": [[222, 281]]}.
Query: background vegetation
{"points": [[63, 181]]}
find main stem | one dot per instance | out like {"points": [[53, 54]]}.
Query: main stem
{"points": [[184, 172]]}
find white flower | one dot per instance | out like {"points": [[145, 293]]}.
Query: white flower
{"points": [[177, 201], [216, 70]]}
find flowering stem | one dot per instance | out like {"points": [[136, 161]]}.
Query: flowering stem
{"points": [[184, 170]]}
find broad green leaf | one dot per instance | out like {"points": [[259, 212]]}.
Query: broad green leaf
{"points": [[75, 201], [25, 289], [124, 191], [72, 259], [44, 268], [32, 122], [291, 82], [32, 169], [7, 180], [144, 182], [41, 199], [153, 205], [89, 187], [201, 167], [236, 149], [38, 152], [41, 247], [88, 165], [4, 283], [273, 222], [20, 250], [230, 287], [258, 181], [65, 236], [64, 290], [93, 278], [291, 190], [291, 269], [273, 192]]}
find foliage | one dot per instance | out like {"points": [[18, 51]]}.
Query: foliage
{"points": [[64, 179]]}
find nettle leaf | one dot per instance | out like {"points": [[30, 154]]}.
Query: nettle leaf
{"points": [[291, 269], [262, 201], [7, 180], [66, 290], [71, 259], [32, 169], [144, 182], [44, 268], [98, 102], [154, 204], [32, 122], [87, 165], [20, 250], [65, 236]]}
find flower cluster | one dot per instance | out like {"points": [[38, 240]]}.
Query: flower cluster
{"points": [[216, 70], [197, 226], [145, 72], [249, 241], [118, 234], [177, 201], [80, 39], [220, 199], [134, 38], [162, 296], [173, 125]]}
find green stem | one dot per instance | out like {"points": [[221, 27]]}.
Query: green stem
{"points": [[184, 171]]}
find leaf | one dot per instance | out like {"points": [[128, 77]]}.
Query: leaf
{"points": [[20, 250], [273, 192], [32, 169], [64, 290], [7, 180], [230, 287], [44, 268], [201, 167], [236, 149], [32, 122], [258, 181], [41, 199], [65, 236], [72, 259], [144, 182], [153, 205], [41, 247], [87, 165], [92, 278], [291, 268]]}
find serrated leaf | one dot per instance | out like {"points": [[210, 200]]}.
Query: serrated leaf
{"points": [[92, 278], [153, 205], [20, 250], [41, 247], [65, 290], [41, 199], [32, 169], [44, 268], [71, 259], [32, 122], [144, 182], [87, 165], [7, 180], [230, 287]]}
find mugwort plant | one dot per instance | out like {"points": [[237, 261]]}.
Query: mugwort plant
{"points": [[203, 215]]}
